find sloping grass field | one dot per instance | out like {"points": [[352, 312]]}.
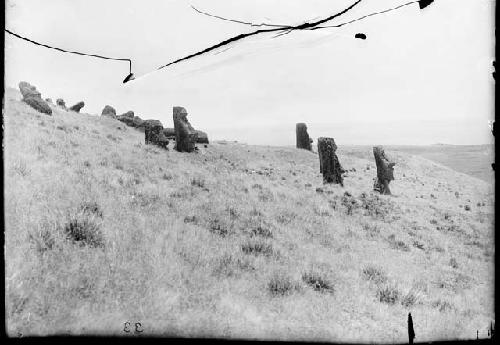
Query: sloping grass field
{"points": [[234, 241]]}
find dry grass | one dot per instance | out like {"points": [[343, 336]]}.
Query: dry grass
{"points": [[234, 241]]}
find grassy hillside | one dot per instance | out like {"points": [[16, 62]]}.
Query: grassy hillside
{"points": [[235, 240]]}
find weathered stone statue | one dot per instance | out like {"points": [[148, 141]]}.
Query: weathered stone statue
{"points": [[185, 135], [33, 98], [60, 102], [77, 107], [131, 120], [329, 164], [109, 111], [153, 133], [385, 171], [303, 140]]}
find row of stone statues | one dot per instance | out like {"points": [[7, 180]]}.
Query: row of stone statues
{"points": [[183, 133], [185, 136], [33, 98], [331, 168]]}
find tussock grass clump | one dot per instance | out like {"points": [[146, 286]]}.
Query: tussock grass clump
{"points": [[190, 219], [282, 284], [167, 177], [198, 182], [418, 245], [286, 217], [443, 305], [378, 207], [113, 138], [349, 202], [261, 231], [388, 293], [318, 281], [21, 168], [230, 265], [257, 247], [64, 128], [91, 207], [84, 228], [398, 244], [410, 298], [266, 195], [218, 228], [43, 238], [375, 274], [182, 193], [371, 230], [145, 199]]}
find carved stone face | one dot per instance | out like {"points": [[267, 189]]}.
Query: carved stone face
{"points": [[179, 111]]}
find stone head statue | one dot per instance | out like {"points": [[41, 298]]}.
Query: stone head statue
{"points": [[180, 112]]}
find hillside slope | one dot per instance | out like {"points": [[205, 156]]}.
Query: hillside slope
{"points": [[235, 240]]}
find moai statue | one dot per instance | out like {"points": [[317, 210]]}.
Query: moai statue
{"points": [[34, 98], [77, 107], [185, 135], [60, 102], [303, 140], [385, 171], [329, 164]]}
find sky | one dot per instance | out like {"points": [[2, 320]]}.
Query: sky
{"points": [[421, 77]]}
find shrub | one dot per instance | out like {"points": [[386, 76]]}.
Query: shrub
{"points": [[317, 282], [374, 274], [281, 284]]}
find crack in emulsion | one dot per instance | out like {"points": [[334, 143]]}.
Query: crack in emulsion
{"points": [[260, 31]]}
